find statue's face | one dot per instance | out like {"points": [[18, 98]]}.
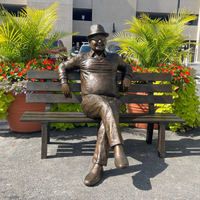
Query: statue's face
{"points": [[98, 43]]}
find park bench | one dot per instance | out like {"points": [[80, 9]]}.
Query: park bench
{"points": [[45, 118]]}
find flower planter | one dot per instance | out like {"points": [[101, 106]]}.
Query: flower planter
{"points": [[139, 108], [17, 109]]}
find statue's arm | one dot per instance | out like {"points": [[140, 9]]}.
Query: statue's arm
{"points": [[63, 69], [128, 72]]}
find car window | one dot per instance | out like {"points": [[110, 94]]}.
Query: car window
{"points": [[117, 49], [61, 44], [55, 44], [85, 49]]}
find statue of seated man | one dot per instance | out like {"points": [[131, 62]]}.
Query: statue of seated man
{"points": [[100, 97]]}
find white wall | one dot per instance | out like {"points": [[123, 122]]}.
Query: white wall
{"points": [[65, 16]]}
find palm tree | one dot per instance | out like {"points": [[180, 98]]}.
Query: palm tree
{"points": [[22, 35], [154, 41]]}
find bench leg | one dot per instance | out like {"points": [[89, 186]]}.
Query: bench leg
{"points": [[48, 133], [161, 141], [149, 134], [44, 133]]}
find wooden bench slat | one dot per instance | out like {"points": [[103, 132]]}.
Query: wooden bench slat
{"points": [[81, 118], [76, 87], [81, 114], [60, 98], [76, 76]]}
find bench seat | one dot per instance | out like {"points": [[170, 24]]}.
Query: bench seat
{"points": [[79, 117]]}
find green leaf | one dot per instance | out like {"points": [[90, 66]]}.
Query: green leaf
{"points": [[10, 98]]}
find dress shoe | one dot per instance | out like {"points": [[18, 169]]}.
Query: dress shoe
{"points": [[94, 176], [121, 160]]}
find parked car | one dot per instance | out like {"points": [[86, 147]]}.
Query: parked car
{"points": [[58, 51], [115, 49], [74, 51], [85, 48]]}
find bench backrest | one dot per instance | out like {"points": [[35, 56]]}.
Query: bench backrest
{"points": [[49, 86]]}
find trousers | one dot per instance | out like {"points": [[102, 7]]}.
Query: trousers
{"points": [[109, 134]]}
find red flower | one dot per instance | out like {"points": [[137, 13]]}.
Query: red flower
{"points": [[181, 74], [29, 67], [0, 70], [55, 79], [43, 69], [3, 65], [158, 69], [146, 70], [172, 73], [16, 69], [149, 71], [174, 68], [35, 62], [33, 79], [175, 78], [159, 65], [170, 65], [133, 68], [57, 70], [3, 74], [131, 63], [4, 77], [38, 69], [179, 67], [163, 64], [173, 64], [138, 67], [162, 68], [187, 73], [41, 80], [8, 63], [45, 62], [13, 64], [12, 73], [49, 67], [167, 70], [19, 74], [49, 62], [135, 63], [186, 80], [56, 67]]}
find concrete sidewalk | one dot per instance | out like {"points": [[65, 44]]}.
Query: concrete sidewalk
{"points": [[25, 176]]}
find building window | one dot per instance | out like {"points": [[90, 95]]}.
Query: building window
{"points": [[82, 14], [154, 15], [165, 16], [13, 8], [194, 22]]}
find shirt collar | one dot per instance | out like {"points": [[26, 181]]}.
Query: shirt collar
{"points": [[92, 53]]}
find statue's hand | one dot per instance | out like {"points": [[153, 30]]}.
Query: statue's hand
{"points": [[126, 84], [66, 90]]}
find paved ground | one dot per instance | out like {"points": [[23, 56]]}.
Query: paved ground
{"points": [[25, 176]]}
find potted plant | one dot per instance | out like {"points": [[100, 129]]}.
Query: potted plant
{"points": [[13, 83], [21, 43], [185, 99]]}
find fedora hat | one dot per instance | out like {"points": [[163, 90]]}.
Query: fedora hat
{"points": [[97, 29]]}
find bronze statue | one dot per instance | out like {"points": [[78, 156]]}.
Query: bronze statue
{"points": [[100, 97]]}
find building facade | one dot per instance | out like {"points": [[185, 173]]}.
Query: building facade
{"points": [[79, 15]]}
